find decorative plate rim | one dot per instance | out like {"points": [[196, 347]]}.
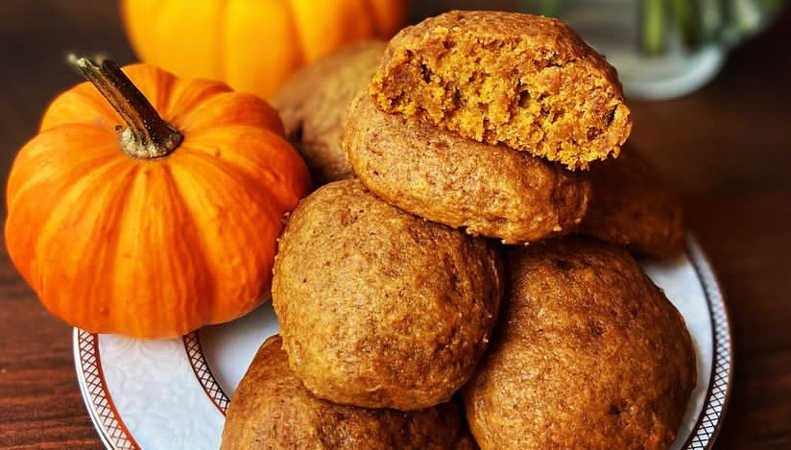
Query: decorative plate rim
{"points": [[116, 436], [90, 376], [200, 367], [718, 392]]}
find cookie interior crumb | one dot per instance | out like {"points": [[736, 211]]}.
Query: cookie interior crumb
{"points": [[526, 81]]}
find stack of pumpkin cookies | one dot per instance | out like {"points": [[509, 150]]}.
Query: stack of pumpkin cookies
{"points": [[479, 133]]}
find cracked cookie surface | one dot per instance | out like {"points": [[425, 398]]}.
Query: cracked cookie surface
{"points": [[272, 410], [588, 355], [379, 308]]}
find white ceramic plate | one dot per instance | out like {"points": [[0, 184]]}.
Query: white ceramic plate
{"points": [[172, 394]]}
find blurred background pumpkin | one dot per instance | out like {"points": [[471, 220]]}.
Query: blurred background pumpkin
{"points": [[253, 45]]}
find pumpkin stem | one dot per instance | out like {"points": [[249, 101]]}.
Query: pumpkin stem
{"points": [[146, 134]]}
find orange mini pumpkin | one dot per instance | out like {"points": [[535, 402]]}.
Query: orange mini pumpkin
{"points": [[253, 45], [125, 221]]}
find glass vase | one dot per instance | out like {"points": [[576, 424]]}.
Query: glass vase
{"points": [[661, 48]]}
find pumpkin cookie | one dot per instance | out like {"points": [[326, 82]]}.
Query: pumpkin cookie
{"points": [[589, 355], [489, 190], [379, 308], [313, 103], [525, 81], [271, 410], [631, 206]]}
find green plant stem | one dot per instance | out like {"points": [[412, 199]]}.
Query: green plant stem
{"points": [[653, 26], [551, 7]]}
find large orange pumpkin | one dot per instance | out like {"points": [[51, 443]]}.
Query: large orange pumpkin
{"points": [[123, 222], [253, 45]]}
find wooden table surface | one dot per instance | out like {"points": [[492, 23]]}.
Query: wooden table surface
{"points": [[725, 148]]}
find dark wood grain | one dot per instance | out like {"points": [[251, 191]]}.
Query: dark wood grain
{"points": [[747, 236], [726, 148]]}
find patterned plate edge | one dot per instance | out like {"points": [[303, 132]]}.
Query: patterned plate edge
{"points": [[98, 401], [91, 413], [203, 373], [715, 405]]}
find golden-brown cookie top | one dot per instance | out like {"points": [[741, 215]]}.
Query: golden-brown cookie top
{"points": [[589, 354], [526, 81], [488, 190], [272, 410], [313, 104], [545, 38], [631, 206], [377, 307]]}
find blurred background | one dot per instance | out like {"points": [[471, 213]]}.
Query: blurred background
{"points": [[710, 92]]}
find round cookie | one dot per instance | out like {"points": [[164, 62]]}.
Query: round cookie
{"points": [[272, 410], [631, 206], [488, 190], [313, 103], [379, 308], [589, 354]]}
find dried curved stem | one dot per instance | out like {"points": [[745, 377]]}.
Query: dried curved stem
{"points": [[146, 134]]}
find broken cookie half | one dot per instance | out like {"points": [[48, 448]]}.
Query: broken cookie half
{"points": [[525, 81]]}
